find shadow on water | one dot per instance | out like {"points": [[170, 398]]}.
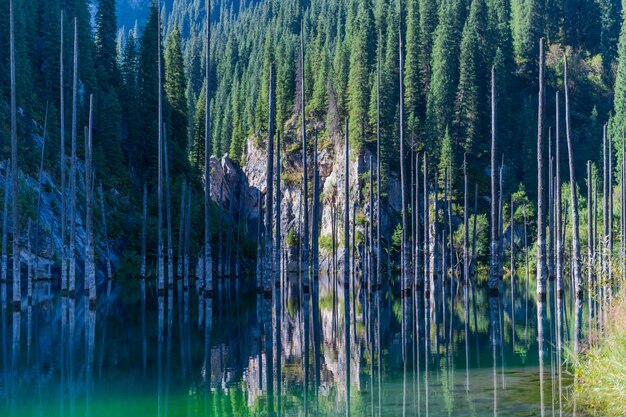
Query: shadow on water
{"points": [[181, 354]]}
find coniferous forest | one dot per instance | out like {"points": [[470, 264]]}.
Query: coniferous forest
{"points": [[312, 207]]}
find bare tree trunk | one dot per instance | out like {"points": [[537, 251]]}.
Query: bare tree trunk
{"points": [[346, 268], [267, 255], [277, 273], [29, 276], [17, 295], [62, 164], [5, 224], [107, 249], [466, 261], [575, 221], [220, 262], [142, 271], [168, 203], [493, 270], [378, 227], [72, 252], [186, 263], [315, 265], [160, 254], [541, 244], [590, 257], [208, 261], [181, 229], [39, 181], [404, 270], [90, 267]]}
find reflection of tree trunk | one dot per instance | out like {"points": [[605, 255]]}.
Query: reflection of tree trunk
{"points": [[346, 270]]}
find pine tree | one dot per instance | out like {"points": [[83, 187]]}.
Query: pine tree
{"points": [[619, 101], [197, 148]]}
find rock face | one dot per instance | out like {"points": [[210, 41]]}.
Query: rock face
{"points": [[46, 246], [331, 156]]}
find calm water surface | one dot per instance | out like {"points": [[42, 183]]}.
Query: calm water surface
{"points": [[181, 355]]}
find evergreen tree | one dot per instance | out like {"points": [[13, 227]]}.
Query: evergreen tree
{"points": [[471, 94], [361, 60], [197, 149], [175, 85], [412, 65], [444, 75], [149, 89], [107, 123]]}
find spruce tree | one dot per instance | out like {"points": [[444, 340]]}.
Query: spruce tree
{"points": [[444, 75], [175, 84], [361, 60]]}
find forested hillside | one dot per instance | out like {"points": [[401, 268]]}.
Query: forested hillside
{"points": [[450, 47]]}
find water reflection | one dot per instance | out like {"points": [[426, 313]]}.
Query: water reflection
{"points": [[154, 356]]}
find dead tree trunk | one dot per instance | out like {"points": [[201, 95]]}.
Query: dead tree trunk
{"points": [[90, 267], [142, 271], [168, 208], [575, 221], [62, 164], [107, 250], [160, 254], [181, 230], [208, 262], [72, 254], [277, 273], [346, 268], [404, 270], [541, 244], [17, 296], [5, 224], [493, 270], [39, 181]]}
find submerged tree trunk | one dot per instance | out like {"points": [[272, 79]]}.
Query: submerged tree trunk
{"points": [[346, 268], [493, 270], [72, 250], [5, 224], [277, 274], [181, 230], [160, 254], [575, 221], [541, 244], [62, 163], [90, 267], [168, 208], [207, 283], [315, 265], [39, 181], [107, 251], [17, 296], [142, 271], [267, 255]]}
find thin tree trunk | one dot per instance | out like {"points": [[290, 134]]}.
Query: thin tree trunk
{"points": [[168, 203], [17, 295], [208, 261], [181, 229], [466, 261], [39, 181], [575, 221], [5, 224], [346, 269], [90, 267], [493, 270], [315, 265], [142, 271], [404, 271], [106, 236], [277, 273], [160, 254], [267, 255], [590, 257], [220, 254], [541, 244], [62, 163], [72, 254], [378, 228]]}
